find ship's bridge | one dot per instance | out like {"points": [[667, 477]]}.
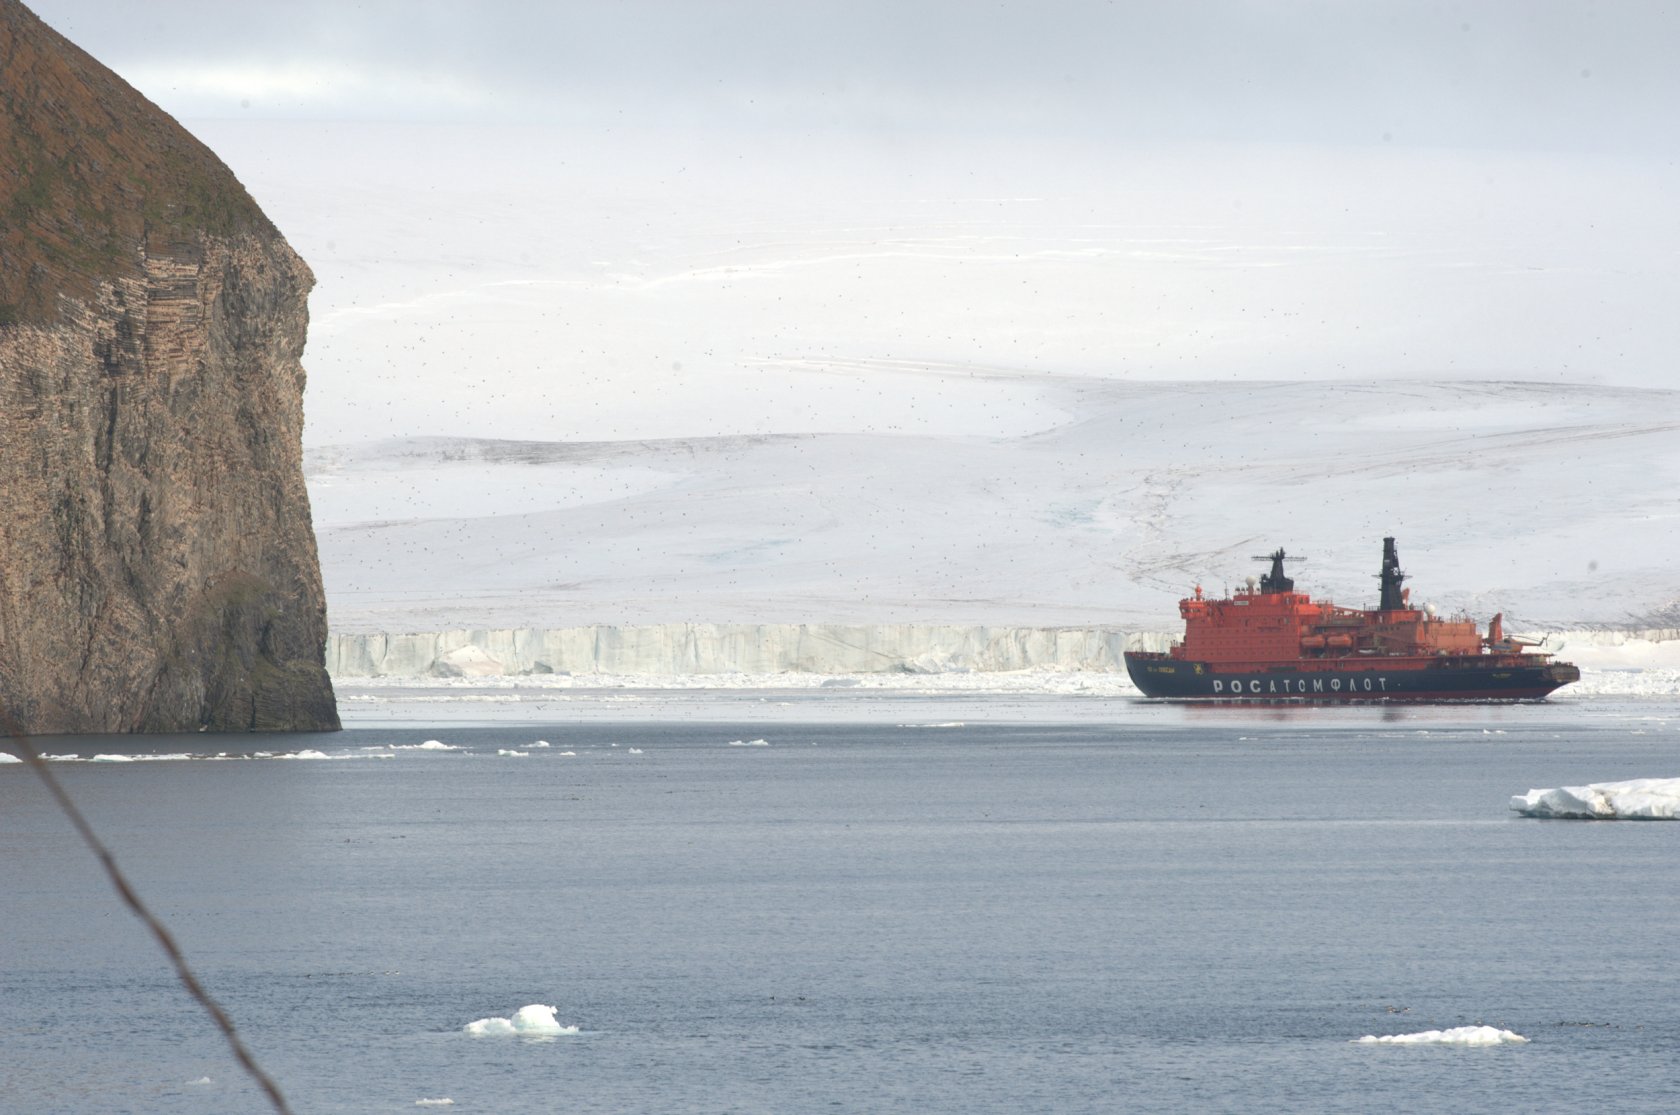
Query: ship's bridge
{"points": [[1249, 626]]}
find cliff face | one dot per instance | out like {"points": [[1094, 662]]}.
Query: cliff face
{"points": [[157, 563]]}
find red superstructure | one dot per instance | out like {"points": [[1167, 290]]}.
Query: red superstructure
{"points": [[1269, 640]]}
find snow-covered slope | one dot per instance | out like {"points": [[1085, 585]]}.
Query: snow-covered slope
{"points": [[1553, 504], [561, 378]]}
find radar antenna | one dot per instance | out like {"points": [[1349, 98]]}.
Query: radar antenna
{"points": [[1275, 581]]}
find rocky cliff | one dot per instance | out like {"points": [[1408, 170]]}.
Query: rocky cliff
{"points": [[157, 563]]}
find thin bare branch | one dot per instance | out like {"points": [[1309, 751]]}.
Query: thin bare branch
{"points": [[125, 891]]}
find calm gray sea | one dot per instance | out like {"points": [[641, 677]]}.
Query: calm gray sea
{"points": [[1197, 910]]}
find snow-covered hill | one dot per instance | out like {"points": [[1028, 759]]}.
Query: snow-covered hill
{"points": [[560, 377], [1552, 503]]}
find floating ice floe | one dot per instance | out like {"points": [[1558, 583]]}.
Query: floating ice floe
{"points": [[75, 758], [7, 758], [441, 1101], [635, 751], [201, 1081], [510, 753], [429, 745], [749, 743], [540, 743], [533, 1021], [1458, 1035], [139, 758], [1639, 799]]}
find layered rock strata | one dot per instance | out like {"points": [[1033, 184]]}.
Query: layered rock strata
{"points": [[157, 565]]}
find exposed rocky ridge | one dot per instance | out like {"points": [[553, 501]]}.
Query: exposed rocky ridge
{"points": [[157, 565]]}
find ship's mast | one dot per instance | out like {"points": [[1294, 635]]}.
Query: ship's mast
{"points": [[1390, 577], [1275, 581]]}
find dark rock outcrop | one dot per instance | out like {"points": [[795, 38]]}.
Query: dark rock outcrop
{"points": [[157, 564]]}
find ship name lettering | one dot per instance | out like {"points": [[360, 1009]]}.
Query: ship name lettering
{"points": [[1336, 683], [1254, 686], [1367, 685], [1318, 685]]}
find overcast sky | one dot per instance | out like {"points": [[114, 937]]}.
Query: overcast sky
{"points": [[697, 212], [1527, 74]]}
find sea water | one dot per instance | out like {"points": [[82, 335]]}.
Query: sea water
{"points": [[1128, 909]]}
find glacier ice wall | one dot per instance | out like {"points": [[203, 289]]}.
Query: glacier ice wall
{"points": [[728, 648], [1615, 661]]}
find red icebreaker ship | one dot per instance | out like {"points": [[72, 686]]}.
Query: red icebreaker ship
{"points": [[1273, 643]]}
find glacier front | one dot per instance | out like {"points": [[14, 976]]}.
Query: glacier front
{"points": [[685, 649]]}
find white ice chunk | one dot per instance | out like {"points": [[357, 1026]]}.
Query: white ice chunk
{"points": [[533, 1021], [5, 758], [1639, 799], [442, 1101], [467, 662], [174, 757], [1458, 1035], [749, 743], [512, 754]]}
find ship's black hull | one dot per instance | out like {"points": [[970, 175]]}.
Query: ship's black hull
{"points": [[1452, 679]]}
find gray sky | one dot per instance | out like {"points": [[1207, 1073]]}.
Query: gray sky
{"points": [[1528, 75], [692, 201]]}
